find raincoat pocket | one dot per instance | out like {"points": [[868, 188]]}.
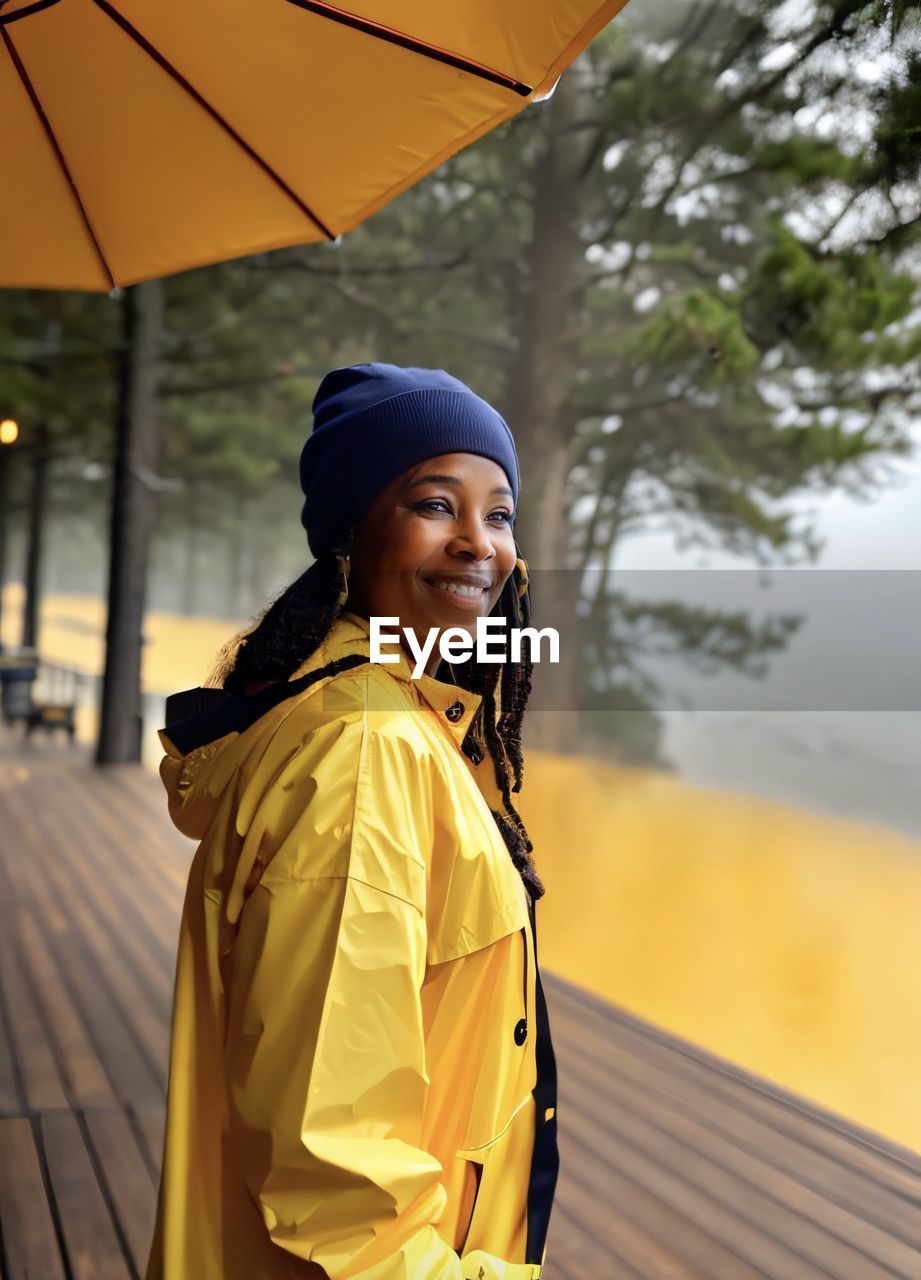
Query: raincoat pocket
{"points": [[497, 1232], [479, 1152]]}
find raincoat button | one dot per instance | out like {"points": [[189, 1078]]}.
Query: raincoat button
{"points": [[521, 1031], [455, 711]]}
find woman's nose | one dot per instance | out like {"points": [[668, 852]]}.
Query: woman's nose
{"points": [[472, 540]]}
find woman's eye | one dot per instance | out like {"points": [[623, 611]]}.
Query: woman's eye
{"points": [[441, 504]]}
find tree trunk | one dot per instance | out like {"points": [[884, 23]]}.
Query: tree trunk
{"points": [[543, 368], [133, 513], [35, 536], [538, 393]]}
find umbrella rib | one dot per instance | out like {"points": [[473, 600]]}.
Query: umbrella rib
{"points": [[6, 19], [179, 78], [413, 44], [56, 148]]}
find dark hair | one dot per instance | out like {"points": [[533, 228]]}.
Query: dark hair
{"points": [[298, 621]]}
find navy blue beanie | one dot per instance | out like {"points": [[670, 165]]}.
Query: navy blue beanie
{"points": [[374, 421]]}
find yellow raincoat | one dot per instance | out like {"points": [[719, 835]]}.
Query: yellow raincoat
{"points": [[362, 1082]]}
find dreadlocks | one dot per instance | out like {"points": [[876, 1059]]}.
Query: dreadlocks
{"points": [[496, 727], [299, 620]]}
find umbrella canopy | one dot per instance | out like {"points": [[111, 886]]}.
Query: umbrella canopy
{"points": [[143, 137]]}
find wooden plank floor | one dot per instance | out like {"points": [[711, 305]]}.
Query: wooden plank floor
{"points": [[674, 1164]]}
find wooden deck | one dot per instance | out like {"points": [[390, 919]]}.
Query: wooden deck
{"points": [[675, 1166]]}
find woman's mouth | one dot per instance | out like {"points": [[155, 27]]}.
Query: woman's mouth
{"points": [[463, 595]]}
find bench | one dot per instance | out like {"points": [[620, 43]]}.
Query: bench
{"points": [[60, 686]]}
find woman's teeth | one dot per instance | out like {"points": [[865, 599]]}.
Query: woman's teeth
{"points": [[456, 589]]}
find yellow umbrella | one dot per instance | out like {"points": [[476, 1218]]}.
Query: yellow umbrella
{"points": [[143, 137]]}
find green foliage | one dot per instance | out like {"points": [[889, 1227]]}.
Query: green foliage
{"points": [[898, 134], [699, 328], [807, 160], [825, 305]]}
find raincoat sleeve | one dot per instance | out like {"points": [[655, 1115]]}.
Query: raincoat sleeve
{"points": [[325, 1052]]}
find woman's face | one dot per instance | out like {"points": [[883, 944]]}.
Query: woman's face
{"points": [[436, 547]]}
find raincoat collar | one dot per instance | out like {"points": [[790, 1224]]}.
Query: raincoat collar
{"points": [[351, 633]]}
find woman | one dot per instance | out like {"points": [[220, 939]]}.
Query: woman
{"points": [[362, 1082]]}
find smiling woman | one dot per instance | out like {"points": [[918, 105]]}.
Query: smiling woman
{"points": [[362, 1079]]}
